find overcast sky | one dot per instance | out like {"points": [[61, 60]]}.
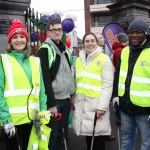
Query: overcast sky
{"points": [[66, 6]]}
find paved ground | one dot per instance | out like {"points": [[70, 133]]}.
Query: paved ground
{"points": [[78, 143]]}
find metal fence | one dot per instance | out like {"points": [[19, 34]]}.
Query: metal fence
{"points": [[36, 27]]}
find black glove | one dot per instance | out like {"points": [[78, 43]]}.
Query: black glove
{"points": [[118, 117]]}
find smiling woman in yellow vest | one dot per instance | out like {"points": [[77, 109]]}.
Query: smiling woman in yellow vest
{"points": [[21, 88], [94, 80]]}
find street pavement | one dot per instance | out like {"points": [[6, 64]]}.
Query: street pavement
{"points": [[78, 142]]}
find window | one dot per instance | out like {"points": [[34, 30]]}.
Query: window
{"points": [[100, 21], [102, 1]]}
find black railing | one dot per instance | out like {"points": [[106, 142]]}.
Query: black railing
{"points": [[36, 27]]}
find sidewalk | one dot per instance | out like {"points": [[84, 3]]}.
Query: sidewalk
{"points": [[78, 142]]}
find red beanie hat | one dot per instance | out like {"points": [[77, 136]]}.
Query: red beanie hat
{"points": [[16, 28]]}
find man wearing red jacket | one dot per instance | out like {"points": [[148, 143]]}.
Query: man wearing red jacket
{"points": [[117, 47]]}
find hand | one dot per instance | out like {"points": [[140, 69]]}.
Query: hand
{"points": [[53, 112], [9, 129], [115, 101], [100, 113], [72, 105]]}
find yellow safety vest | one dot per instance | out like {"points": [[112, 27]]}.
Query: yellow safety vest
{"points": [[52, 54], [40, 144], [17, 89], [140, 82], [89, 80]]}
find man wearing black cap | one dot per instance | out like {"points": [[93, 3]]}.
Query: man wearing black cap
{"points": [[131, 89]]}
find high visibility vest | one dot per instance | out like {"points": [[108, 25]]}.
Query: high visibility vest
{"points": [[20, 96], [52, 53], [40, 144], [140, 81], [89, 80]]}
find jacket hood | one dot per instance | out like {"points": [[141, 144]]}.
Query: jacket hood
{"points": [[117, 45], [48, 40]]}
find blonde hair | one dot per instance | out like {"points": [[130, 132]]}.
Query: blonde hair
{"points": [[27, 48], [97, 34]]}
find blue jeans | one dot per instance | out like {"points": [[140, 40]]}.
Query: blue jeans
{"points": [[129, 126], [56, 137]]}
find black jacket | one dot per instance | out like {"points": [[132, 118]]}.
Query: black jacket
{"points": [[125, 103], [49, 74]]}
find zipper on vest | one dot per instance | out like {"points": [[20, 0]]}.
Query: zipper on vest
{"points": [[129, 80]]}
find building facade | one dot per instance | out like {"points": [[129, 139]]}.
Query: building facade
{"points": [[98, 13], [74, 42], [10, 10]]}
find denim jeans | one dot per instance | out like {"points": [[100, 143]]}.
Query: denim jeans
{"points": [[56, 137], [129, 126]]}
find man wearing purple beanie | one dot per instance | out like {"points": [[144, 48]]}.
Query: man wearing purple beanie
{"points": [[131, 89]]}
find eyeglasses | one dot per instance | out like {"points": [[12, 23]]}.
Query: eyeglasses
{"points": [[55, 30]]}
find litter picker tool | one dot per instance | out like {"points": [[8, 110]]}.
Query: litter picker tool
{"points": [[60, 118], [118, 121], [17, 139], [95, 119]]}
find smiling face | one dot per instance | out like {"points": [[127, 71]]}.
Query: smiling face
{"points": [[18, 42], [55, 32], [90, 43], [136, 37]]}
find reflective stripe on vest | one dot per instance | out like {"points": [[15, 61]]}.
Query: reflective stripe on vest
{"points": [[140, 81], [39, 144], [89, 80], [34, 147], [18, 88], [51, 52], [69, 56]]}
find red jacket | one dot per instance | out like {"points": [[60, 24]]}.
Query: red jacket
{"points": [[117, 47]]}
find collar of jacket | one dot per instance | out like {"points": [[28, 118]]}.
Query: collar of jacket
{"points": [[140, 47], [58, 51], [91, 56]]}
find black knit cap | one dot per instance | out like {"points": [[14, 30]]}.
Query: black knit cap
{"points": [[139, 24]]}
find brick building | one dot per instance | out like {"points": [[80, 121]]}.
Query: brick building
{"points": [[98, 13]]}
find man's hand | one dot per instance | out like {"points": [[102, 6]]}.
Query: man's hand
{"points": [[100, 113], [115, 100], [53, 111]]}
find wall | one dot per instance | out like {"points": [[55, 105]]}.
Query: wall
{"points": [[10, 10]]}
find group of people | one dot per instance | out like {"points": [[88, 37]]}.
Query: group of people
{"points": [[46, 82]]}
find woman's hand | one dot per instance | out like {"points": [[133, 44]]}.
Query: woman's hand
{"points": [[100, 113]]}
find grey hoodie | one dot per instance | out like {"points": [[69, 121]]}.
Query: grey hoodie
{"points": [[64, 83]]}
